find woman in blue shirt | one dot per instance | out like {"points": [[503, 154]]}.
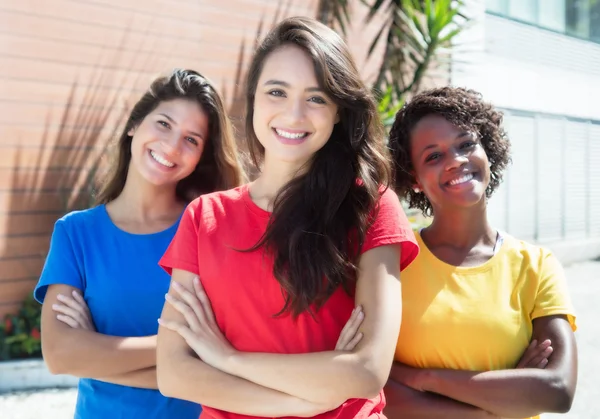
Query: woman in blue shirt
{"points": [[101, 287]]}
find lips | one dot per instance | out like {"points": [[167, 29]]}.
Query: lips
{"points": [[291, 134], [161, 160]]}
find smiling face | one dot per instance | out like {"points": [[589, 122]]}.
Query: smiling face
{"points": [[168, 143], [450, 164], [293, 117]]}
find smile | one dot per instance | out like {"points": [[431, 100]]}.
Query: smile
{"points": [[160, 160], [291, 135], [460, 180]]}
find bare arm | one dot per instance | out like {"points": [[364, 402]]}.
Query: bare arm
{"points": [[182, 375], [333, 377], [406, 403], [520, 392], [77, 352], [145, 378]]}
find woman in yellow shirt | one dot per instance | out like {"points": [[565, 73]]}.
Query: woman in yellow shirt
{"points": [[475, 298]]}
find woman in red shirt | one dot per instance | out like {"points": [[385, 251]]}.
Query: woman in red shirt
{"points": [[285, 260]]}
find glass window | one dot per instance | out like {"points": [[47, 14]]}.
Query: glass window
{"points": [[595, 20], [525, 10], [552, 14], [498, 6], [578, 18]]}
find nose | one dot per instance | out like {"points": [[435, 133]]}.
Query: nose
{"points": [[170, 143], [296, 110], [456, 160]]}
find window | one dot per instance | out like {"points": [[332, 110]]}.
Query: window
{"points": [[525, 10], [552, 14], [579, 18]]}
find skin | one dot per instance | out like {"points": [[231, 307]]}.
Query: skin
{"points": [[194, 358], [461, 235], [175, 131]]}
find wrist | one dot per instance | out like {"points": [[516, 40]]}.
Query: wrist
{"points": [[427, 380]]}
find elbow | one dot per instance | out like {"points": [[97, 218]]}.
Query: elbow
{"points": [[374, 377], [55, 361], [165, 379], [562, 394]]}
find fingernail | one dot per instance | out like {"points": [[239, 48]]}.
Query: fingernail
{"points": [[60, 297], [160, 321], [168, 297], [176, 285], [55, 306], [197, 279], [361, 314]]}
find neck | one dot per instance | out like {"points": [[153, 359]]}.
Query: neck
{"points": [[461, 228], [140, 200], [273, 177]]}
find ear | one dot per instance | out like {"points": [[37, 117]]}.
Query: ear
{"points": [[417, 185], [337, 117], [131, 132]]}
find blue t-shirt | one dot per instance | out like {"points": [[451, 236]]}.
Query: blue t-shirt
{"points": [[124, 288]]}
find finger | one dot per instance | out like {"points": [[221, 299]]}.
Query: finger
{"points": [[542, 364], [528, 354], [68, 311], [343, 339], [539, 358], [206, 305], [69, 321], [72, 303], [355, 323], [191, 301], [355, 340], [80, 300], [186, 311]]}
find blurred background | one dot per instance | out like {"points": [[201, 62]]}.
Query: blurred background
{"points": [[70, 70]]}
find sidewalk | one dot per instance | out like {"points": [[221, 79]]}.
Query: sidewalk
{"points": [[584, 283]]}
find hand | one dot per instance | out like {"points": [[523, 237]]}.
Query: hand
{"points": [[536, 355], [74, 312], [350, 336], [201, 332]]}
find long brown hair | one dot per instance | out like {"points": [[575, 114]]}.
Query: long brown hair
{"points": [[218, 168], [320, 218]]}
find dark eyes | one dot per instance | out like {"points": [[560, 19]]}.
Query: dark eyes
{"points": [[280, 93], [165, 124], [467, 145]]}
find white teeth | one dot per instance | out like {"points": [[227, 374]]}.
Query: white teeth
{"points": [[290, 135], [161, 160], [462, 179]]}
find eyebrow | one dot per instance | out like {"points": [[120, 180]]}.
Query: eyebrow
{"points": [[286, 84], [173, 121], [461, 135]]}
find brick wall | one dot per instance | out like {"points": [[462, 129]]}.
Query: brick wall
{"points": [[69, 69]]}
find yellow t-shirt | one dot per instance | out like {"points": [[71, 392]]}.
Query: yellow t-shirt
{"points": [[478, 318]]}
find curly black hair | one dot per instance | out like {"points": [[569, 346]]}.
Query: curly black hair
{"points": [[463, 108]]}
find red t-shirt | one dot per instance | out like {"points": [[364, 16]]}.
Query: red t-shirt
{"points": [[244, 293]]}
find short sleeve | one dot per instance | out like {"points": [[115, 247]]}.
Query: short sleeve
{"points": [[553, 295], [391, 226], [61, 265], [182, 252]]}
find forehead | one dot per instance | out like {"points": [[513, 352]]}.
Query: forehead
{"points": [[291, 64], [433, 128]]}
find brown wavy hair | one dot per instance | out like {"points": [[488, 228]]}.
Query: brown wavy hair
{"points": [[464, 109], [218, 168], [320, 218]]}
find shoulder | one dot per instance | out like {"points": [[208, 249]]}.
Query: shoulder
{"points": [[215, 205], [528, 255], [81, 218]]}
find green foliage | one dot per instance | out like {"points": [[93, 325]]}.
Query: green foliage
{"points": [[20, 333]]}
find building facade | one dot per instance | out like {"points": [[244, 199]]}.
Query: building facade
{"points": [[539, 61]]}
